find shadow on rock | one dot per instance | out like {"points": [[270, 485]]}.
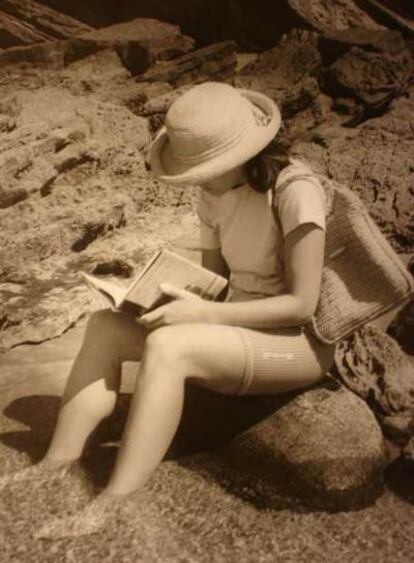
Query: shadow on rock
{"points": [[38, 413]]}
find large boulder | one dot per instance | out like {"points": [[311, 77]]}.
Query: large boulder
{"points": [[323, 447]]}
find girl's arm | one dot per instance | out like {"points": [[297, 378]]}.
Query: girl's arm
{"points": [[303, 258]]}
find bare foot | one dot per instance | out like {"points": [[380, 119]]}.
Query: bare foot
{"points": [[38, 472], [84, 522]]}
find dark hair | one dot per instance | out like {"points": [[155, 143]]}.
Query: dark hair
{"points": [[263, 169]]}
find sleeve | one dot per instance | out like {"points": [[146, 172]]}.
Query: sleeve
{"points": [[301, 202], [209, 229]]}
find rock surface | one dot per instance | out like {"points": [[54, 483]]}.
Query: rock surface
{"points": [[138, 43], [160, 40], [214, 62], [397, 15], [24, 21], [325, 446], [65, 188], [374, 367], [375, 72]]}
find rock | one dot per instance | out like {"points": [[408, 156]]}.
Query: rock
{"points": [[109, 75], [391, 14], [372, 365], [64, 186], [374, 78], [40, 20], [13, 32], [323, 447], [259, 25], [323, 16], [288, 74], [161, 40], [138, 44], [408, 451], [49, 54], [333, 44], [366, 160], [155, 108], [215, 62], [134, 95]]}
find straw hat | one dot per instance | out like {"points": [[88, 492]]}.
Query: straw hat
{"points": [[211, 129]]}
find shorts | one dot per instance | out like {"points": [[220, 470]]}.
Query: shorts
{"points": [[290, 353]]}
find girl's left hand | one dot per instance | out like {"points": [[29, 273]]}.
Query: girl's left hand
{"points": [[186, 307]]}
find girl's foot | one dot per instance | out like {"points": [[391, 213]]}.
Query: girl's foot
{"points": [[84, 522], [44, 470]]}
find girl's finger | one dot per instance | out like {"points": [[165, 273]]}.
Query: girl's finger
{"points": [[172, 290], [150, 317]]}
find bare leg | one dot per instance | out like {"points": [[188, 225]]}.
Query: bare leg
{"points": [[94, 381], [90, 392], [205, 354], [172, 355]]}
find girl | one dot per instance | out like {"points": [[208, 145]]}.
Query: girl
{"points": [[254, 342]]}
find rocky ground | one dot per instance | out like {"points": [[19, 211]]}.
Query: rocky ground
{"points": [[78, 109]]}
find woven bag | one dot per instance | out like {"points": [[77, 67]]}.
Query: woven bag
{"points": [[363, 278]]}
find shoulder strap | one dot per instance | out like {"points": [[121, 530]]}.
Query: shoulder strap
{"points": [[277, 189]]}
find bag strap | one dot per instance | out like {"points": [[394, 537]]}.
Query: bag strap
{"points": [[276, 191]]}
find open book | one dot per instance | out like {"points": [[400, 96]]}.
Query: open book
{"points": [[144, 293]]}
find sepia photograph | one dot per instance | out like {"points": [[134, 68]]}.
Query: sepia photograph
{"points": [[206, 281]]}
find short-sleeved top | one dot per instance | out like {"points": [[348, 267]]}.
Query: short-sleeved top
{"points": [[241, 223]]}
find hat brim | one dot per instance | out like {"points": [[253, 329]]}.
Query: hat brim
{"points": [[167, 169]]}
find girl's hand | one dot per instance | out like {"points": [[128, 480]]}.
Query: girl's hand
{"points": [[186, 307]]}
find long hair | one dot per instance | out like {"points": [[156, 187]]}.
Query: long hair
{"points": [[263, 169]]}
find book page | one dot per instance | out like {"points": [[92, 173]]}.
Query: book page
{"points": [[112, 292]]}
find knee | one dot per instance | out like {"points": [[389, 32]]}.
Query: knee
{"points": [[103, 325], [167, 346], [103, 332]]}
